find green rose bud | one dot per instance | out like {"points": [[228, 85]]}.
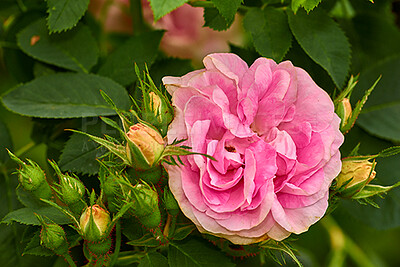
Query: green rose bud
{"points": [[145, 206], [70, 190], [32, 178], [94, 222], [53, 237], [170, 202], [355, 174], [148, 143]]}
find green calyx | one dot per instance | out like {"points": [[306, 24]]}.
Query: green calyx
{"points": [[145, 206], [52, 236], [32, 178], [170, 202]]}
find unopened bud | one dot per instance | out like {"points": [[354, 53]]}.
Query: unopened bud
{"points": [[155, 105], [170, 202], [146, 205], [344, 111], [94, 222], [32, 178], [149, 143], [53, 237], [355, 174]]}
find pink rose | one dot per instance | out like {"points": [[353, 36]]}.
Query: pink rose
{"points": [[185, 35], [276, 140]]}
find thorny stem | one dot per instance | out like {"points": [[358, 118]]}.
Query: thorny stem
{"points": [[117, 243], [342, 244]]}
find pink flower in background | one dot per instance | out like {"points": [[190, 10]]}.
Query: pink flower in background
{"points": [[185, 35], [276, 140]]}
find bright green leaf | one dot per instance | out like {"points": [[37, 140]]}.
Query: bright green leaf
{"points": [[65, 14], [66, 95], [194, 252], [139, 49], [27, 216], [5, 142], [227, 8], [381, 113], [214, 20], [63, 50], [307, 4], [270, 32], [153, 259], [162, 7], [323, 40]]}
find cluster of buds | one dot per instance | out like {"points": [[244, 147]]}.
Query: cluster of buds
{"points": [[70, 190], [32, 178]]}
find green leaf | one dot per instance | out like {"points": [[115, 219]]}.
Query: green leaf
{"points": [[28, 199], [214, 20], [66, 95], [147, 240], [162, 7], [181, 232], [227, 8], [63, 50], [307, 4], [27, 216], [65, 14], [34, 247], [6, 142], [372, 189], [323, 40], [194, 252], [153, 259], [270, 31], [381, 113], [139, 49], [80, 153]]}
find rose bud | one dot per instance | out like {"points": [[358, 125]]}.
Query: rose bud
{"points": [[344, 111], [32, 178], [145, 146], [160, 112], [70, 190], [146, 206], [355, 174], [94, 222], [53, 237], [170, 202]]}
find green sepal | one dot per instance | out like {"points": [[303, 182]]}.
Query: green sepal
{"points": [[52, 236], [371, 190]]}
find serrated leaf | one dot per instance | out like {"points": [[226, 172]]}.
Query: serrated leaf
{"points": [[194, 252], [66, 95], [27, 216], [65, 14], [147, 240], [381, 113], [80, 152], [27, 199], [153, 259], [6, 142], [34, 247], [214, 20], [323, 40], [307, 4], [63, 50], [162, 7], [270, 31], [227, 8], [140, 49]]}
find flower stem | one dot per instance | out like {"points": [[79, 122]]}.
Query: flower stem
{"points": [[137, 16], [70, 261], [342, 244], [25, 148], [114, 257]]}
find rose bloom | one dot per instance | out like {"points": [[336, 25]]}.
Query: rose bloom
{"points": [[185, 35], [275, 138]]}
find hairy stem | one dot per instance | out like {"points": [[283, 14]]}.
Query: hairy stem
{"points": [[114, 257], [70, 261]]}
